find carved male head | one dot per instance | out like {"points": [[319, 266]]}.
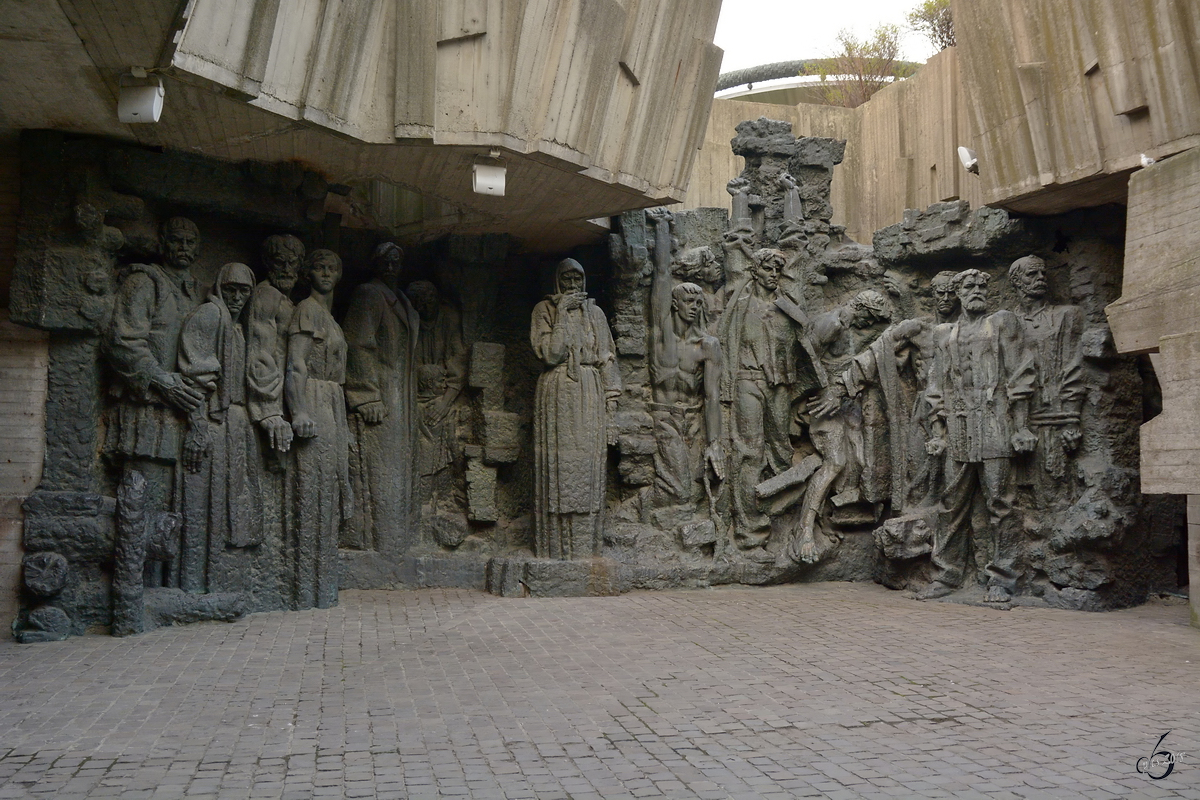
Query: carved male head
{"points": [[945, 297], [425, 299], [235, 282], [386, 261], [971, 285], [869, 307], [179, 242], [1028, 277], [767, 267], [687, 303], [282, 255], [569, 277]]}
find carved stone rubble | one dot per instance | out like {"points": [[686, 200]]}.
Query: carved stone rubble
{"points": [[251, 406]]}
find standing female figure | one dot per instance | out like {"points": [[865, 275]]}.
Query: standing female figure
{"points": [[319, 498], [570, 336], [220, 498]]}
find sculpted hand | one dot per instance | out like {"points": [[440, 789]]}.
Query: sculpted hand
{"points": [[372, 413], [935, 447], [890, 286], [179, 394], [714, 454], [1023, 441], [659, 214], [279, 433], [195, 445], [571, 301], [737, 186], [829, 401], [908, 328], [1071, 436], [304, 426]]}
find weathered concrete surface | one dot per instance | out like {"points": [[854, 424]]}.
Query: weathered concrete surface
{"points": [[822, 690], [1059, 101], [1159, 312]]}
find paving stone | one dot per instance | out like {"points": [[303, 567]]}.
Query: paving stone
{"points": [[838, 690]]}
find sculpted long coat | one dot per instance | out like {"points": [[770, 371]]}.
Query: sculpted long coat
{"points": [[268, 316], [570, 434], [380, 328], [972, 386], [319, 498], [142, 345], [220, 502]]}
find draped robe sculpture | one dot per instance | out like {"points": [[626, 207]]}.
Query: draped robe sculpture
{"points": [[570, 336]]}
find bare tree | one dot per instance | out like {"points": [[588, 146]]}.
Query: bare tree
{"points": [[863, 67], [935, 19]]}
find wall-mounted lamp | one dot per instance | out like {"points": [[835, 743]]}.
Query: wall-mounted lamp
{"points": [[487, 174], [141, 96], [969, 160]]}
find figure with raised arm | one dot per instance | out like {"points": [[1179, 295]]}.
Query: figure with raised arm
{"points": [[685, 373]]}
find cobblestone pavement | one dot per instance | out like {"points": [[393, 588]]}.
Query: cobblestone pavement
{"points": [[833, 690]]}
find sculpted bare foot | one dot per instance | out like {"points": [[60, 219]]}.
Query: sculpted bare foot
{"points": [[935, 590], [809, 546], [998, 594]]}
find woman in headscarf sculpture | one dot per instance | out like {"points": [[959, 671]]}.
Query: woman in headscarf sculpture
{"points": [[220, 500], [575, 396]]}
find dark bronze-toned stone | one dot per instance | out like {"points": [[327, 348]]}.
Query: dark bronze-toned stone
{"points": [[576, 395], [979, 389], [142, 346], [777, 386], [685, 374], [1054, 335], [221, 497], [381, 334], [45, 574], [441, 372], [319, 500], [45, 624]]}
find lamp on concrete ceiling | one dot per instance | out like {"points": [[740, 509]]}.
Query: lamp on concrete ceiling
{"points": [[488, 174], [141, 97]]}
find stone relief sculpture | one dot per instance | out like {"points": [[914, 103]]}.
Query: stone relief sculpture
{"points": [[836, 427], [142, 347], [319, 500], [576, 394], [685, 370], [979, 388], [381, 333], [766, 367], [778, 386], [441, 368], [269, 314], [221, 499], [1054, 335]]}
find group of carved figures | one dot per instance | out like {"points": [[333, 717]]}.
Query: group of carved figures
{"points": [[921, 415], [244, 401]]}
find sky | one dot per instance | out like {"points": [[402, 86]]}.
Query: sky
{"points": [[754, 32]]}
